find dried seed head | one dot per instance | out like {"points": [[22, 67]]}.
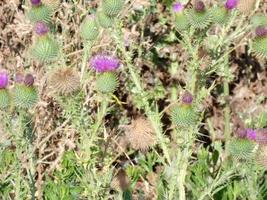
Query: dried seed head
{"points": [[177, 7], [261, 31], [41, 28], [3, 80], [231, 4], [29, 80], [141, 134], [199, 6], [64, 80]]}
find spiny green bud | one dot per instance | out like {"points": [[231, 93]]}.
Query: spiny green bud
{"points": [[4, 98], [259, 20], [40, 13], [104, 20], [24, 96], [199, 19], [259, 47], [219, 15], [183, 115], [89, 29], [242, 149], [181, 22], [45, 49], [112, 7], [106, 82]]}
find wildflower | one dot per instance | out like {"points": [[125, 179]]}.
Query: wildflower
{"points": [[41, 28], [251, 134], [104, 63], [29, 80], [200, 6], [177, 7], [19, 78], [231, 4], [36, 2], [3, 80], [261, 31], [187, 98]]}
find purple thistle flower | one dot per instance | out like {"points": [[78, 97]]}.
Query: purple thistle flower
{"points": [[241, 133], [231, 4], [29, 80], [177, 7], [41, 28], [104, 63], [36, 2], [261, 31], [19, 78], [251, 134], [261, 136], [3, 80], [187, 98], [200, 6]]}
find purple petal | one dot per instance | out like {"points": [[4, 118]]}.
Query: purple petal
{"points": [[103, 63], [3, 80], [231, 4], [177, 7]]}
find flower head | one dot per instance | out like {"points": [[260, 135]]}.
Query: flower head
{"points": [[251, 134], [36, 2], [177, 7], [19, 77], [29, 80], [187, 98], [231, 4], [261, 31], [41, 28], [104, 63], [3, 80], [200, 6]]}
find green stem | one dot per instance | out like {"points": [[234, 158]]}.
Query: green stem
{"points": [[85, 58], [227, 128]]}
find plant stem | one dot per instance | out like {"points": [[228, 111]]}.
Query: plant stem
{"points": [[85, 58], [227, 128]]}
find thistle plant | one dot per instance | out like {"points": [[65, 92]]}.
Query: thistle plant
{"points": [[259, 45], [89, 29], [181, 21], [45, 48]]}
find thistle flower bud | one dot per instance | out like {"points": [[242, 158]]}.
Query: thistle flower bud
{"points": [[3, 80], [41, 28], [112, 7], [104, 63], [200, 6], [231, 4], [261, 31], [242, 149], [89, 29], [36, 2], [24, 96], [177, 7], [29, 80], [19, 78], [251, 134], [187, 98], [106, 82]]}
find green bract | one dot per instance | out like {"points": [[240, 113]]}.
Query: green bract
{"points": [[219, 15], [112, 7], [45, 49], [241, 149], [4, 98], [183, 115], [199, 20], [40, 13], [89, 29], [104, 20], [181, 22], [106, 82], [24, 96], [259, 47]]}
